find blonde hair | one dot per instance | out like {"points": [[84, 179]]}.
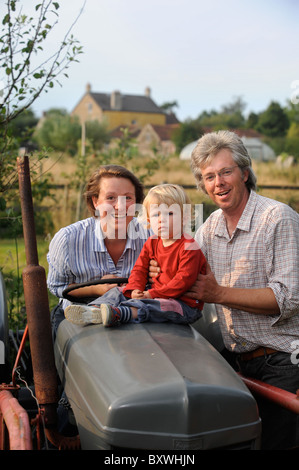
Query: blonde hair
{"points": [[165, 194]]}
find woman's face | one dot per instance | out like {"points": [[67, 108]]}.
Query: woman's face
{"points": [[115, 204]]}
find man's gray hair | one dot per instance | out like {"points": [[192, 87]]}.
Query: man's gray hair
{"points": [[210, 144]]}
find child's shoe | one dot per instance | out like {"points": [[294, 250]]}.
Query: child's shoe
{"points": [[83, 314], [111, 316]]}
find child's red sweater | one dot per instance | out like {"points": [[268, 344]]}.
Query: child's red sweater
{"points": [[180, 264]]}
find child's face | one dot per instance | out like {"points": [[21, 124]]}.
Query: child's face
{"points": [[165, 220]]}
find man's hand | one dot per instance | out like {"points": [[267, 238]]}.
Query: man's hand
{"points": [[154, 270], [205, 288], [258, 301]]}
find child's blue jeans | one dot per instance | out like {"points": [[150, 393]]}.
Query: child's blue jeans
{"points": [[154, 310]]}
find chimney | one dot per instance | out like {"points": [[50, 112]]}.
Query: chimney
{"points": [[115, 100], [147, 92], [88, 88]]}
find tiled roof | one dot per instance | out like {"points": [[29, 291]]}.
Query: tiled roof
{"points": [[165, 132], [135, 103]]}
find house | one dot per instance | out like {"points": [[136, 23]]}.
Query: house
{"points": [[117, 109], [157, 138]]}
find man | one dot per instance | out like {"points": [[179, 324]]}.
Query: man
{"points": [[252, 246]]}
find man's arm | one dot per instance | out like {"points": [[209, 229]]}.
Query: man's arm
{"points": [[261, 301]]}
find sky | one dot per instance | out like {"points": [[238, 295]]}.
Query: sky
{"points": [[202, 54]]}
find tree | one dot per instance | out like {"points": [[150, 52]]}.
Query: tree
{"points": [[59, 131], [252, 120], [237, 106], [97, 134], [230, 116], [188, 131], [22, 39], [292, 140], [273, 122], [168, 106]]}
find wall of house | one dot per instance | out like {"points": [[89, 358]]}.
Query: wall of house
{"points": [[88, 110], [118, 118], [149, 139]]}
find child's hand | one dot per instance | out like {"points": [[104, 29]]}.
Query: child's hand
{"points": [[139, 294], [136, 294]]}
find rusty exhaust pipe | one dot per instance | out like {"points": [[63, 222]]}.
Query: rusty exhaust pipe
{"points": [[37, 307]]}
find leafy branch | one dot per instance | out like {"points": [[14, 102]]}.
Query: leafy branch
{"points": [[22, 38], [27, 69]]}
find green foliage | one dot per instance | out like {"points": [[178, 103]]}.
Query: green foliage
{"points": [[186, 133], [59, 131], [22, 39], [229, 117], [169, 105], [97, 135], [273, 122], [62, 132], [292, 140]]}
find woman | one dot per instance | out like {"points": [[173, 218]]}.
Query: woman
{"points": [[104, 245]]}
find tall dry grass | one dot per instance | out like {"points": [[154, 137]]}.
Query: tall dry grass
{"points": [[173, 170]]}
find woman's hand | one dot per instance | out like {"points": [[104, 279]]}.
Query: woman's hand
{"points": [[96, 290], [112, 276]]}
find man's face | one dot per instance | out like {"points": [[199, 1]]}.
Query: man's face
{"points": [[225, 182], [116, 196]]}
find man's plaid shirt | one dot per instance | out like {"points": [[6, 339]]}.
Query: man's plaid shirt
{"points": [[262, 252]]}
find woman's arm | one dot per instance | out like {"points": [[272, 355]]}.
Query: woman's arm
{"points": [[91, 291]]}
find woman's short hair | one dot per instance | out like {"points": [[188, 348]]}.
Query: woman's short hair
{"points": [[210, 144], [110, 171]]}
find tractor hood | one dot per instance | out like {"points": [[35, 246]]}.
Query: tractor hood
{"points": [[153, 386]]}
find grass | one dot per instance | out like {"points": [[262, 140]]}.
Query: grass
{"points": [[12, 263]]}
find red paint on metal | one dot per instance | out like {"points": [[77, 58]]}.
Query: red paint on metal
{"points": [[16, 421], [277, 395]]}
